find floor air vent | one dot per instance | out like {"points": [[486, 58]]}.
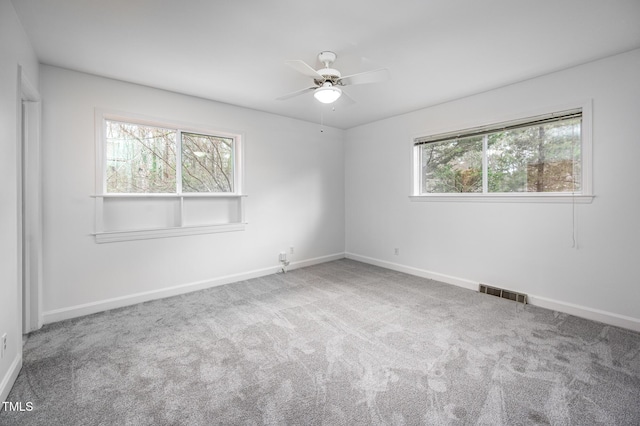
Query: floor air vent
{"points": [[505, 294]]}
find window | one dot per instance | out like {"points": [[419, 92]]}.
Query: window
{"points": [[144, 159], [157, 179], [536, 157]]}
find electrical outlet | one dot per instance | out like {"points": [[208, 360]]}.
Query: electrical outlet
{"points": [[291, 250], [3, 345], [396, 251]]}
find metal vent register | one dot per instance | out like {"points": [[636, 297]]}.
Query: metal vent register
{"points": [[505, 294]]}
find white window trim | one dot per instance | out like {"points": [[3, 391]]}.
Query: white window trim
{"points": [[147, 234], [547, 197], [103, 236], [584, 197]]}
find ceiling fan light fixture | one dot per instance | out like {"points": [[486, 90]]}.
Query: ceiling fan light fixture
{"points": [[327, 94]]}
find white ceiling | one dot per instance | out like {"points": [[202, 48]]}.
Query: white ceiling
{"points": [[234, 51]]}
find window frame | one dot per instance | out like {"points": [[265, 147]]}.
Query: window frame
{"points": [[100, 194], [180, 128], [585, 195]]}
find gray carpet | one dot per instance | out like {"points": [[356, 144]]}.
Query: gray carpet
{"points": [[342, 343]]}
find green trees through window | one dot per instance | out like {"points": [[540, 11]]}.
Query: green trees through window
{"points": [[540, 156], [452, 166], [144, 159]]}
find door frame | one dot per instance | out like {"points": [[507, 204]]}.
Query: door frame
{"points": [[30, 205]]}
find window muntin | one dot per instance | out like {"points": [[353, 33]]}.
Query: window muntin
{"points": [[538, 155], [143, 159]]}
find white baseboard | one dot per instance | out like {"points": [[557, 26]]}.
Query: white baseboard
{"points": [[448, 279], [118, 302], [543, 302], [132, 299], [315, 261], [10, 378], [585, 312]]}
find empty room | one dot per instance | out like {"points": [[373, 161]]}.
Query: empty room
{"points": [[339, 213]]}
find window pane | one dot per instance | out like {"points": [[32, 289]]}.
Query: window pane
{"points": [[452, 166], [140, 159], [542, 158], [207, 163]]}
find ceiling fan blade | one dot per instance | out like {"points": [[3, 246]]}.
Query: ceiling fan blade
{"points": [[345, 99], [375, 76], [303, 68], [296, 93]]}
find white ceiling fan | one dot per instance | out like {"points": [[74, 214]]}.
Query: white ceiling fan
{"points": [[328, 81]]}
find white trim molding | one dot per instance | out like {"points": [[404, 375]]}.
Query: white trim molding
{"points": [[598, 315], [507, 198], [133, 299], [32, 204], [147, 234], [584, 196], [10, 378], [175, 223], [604, 317], [447, 279]]}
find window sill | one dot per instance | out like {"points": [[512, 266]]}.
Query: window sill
{"points": [[506, 198], [147, 234], [163, 195]]}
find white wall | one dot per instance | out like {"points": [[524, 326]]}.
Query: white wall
{"points": [[294, 179], [520, 246], [15, 50]]}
